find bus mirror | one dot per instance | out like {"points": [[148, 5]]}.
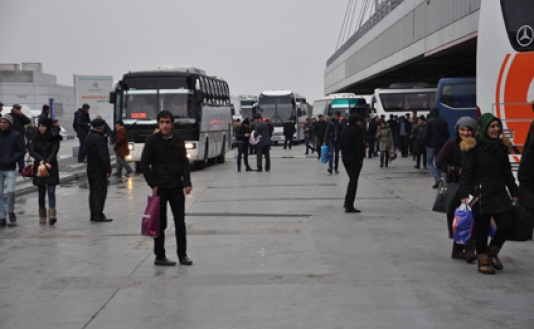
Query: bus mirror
{"points": [[232, 109], [112, 97], [199, 96]]}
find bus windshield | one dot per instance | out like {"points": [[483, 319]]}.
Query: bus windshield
{"points": [[246, 108], [145, 104], [518, 17], [277, 109], [459, 96]]}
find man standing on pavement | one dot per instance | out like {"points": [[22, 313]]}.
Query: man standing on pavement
{"points": [[264, 145], [11, 151], [98, 170], [45, 113], [165, 166], [369, 133], [435, 134], [320, 129], [121, 149], [353, 151], [331, 138], [19, 122], [83, 124], [289, 130]]}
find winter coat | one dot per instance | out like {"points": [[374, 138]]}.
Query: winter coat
{"points": [[436, 131], [486, 173], [12, 149], [240, 134], [320, 129], [289, 129], [351, 143], [418, 139], [96, 147], [121, 143], [82, 122], [164, 162], [45, 151], [19, 121], [385, 139], [369, 133], [307, 130], [264, 130], [450, 156], [333, 131]]}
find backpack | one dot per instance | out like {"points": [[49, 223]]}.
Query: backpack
{"points": [[74, 123]]}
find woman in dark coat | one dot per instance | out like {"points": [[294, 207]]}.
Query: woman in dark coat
{"points": [[450, 159], [242, 135], [486, 174], [419, 148], [43, 148]]}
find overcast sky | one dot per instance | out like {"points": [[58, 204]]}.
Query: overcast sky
{"points": [[254, 44]]}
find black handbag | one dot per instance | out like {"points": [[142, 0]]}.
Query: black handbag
{"points": [[447, 198], [521, 225]]}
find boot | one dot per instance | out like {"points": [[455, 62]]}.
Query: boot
{"points": [[470, 255], [52, 219], [484, 264], [457, 251], [42, 215], [493, 259]]}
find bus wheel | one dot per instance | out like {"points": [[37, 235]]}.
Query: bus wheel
{"points": [[202, 163], [222, 157]]}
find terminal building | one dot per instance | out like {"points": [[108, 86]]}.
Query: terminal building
{"points": [[26, 84]]}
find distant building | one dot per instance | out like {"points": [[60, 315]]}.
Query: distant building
{"points": [[29, 86]]}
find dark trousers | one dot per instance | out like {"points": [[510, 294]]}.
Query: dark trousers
{"points": [[371, 147], [260, 151], [423, 152], [81, 147], [242, 152], [410, 145], [482, 228], [403, 145], [122, 163], [307, 142], [176, 200], [353, 168], [384, 158], [287, 140], [318, 145], [98, 191], [333, 150], [51, 195]]}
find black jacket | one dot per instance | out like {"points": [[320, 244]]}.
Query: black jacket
{"points": [[11, 149], [164, 162], [98, 161], [289, 129], [82, 122], [240, 134], [45, 151], [486, 174], [265, 130], [369, 133], [351, 143], [18, 122], [320, 130], [436, 131], [333, 131]]}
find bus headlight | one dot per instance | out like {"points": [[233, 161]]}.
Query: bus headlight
{"points": [[131, 146], [190, 146]]}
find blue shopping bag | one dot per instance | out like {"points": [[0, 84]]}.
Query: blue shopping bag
{"points": [[463, 224], [324, 154]]}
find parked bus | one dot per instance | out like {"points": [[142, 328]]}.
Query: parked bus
{"points": [[505, 70], [248, 108], [401, 101], [278, 106], [346, 103], [236, 108], [200, 103], [456, 98]]}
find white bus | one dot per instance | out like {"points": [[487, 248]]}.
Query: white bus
{"points": [[200, 103], [278, 106], [505, 66], [346, 103], [401, 101], [248, 106]]}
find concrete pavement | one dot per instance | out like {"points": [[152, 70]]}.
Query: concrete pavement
{"points": [[270, 250]]}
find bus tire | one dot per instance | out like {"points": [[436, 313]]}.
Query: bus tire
{"points": [[222, 157], [202, 163]]}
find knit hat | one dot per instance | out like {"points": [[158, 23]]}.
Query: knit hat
{"points": [[466, 122], [46, 122], [245, 122], [8, 118], [97, 123], [353, 118]]}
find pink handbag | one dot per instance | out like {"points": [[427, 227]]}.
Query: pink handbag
{"points": [[151, 219]]}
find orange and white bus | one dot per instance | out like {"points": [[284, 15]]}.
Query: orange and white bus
{"points": [[505, 66]]}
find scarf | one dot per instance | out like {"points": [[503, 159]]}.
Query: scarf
{"points": [[482, 130]]}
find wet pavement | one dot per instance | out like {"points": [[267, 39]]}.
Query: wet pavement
{"points": [[270, 250]]}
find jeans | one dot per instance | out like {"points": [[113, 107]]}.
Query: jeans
{"points": [[9, 176], [432, 154], [333, 152], [384, 157], [81, 148], [242, 152], [176, 200], [307, 142], [122, 163], [51, 196]]}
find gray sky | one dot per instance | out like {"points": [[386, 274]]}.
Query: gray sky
{"points": [[254, 44]]}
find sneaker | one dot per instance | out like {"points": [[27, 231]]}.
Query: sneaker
{"points": [[3, 222], [128, 173], [12, 217], [329, 170]]}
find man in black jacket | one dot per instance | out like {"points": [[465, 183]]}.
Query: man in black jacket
{"points": [[436, 133], [264, 145], [165, 166], [83, 124], [98, 170], [289, 130], [331, 138], [19, 122], [353, 151], [369, 133], [320, 129]]}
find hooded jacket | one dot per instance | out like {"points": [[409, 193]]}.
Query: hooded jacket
{"points": [[436, 131], [11, 149], [486, 173]]}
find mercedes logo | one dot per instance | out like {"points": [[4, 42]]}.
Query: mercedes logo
{"points": [[525, 35]]}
